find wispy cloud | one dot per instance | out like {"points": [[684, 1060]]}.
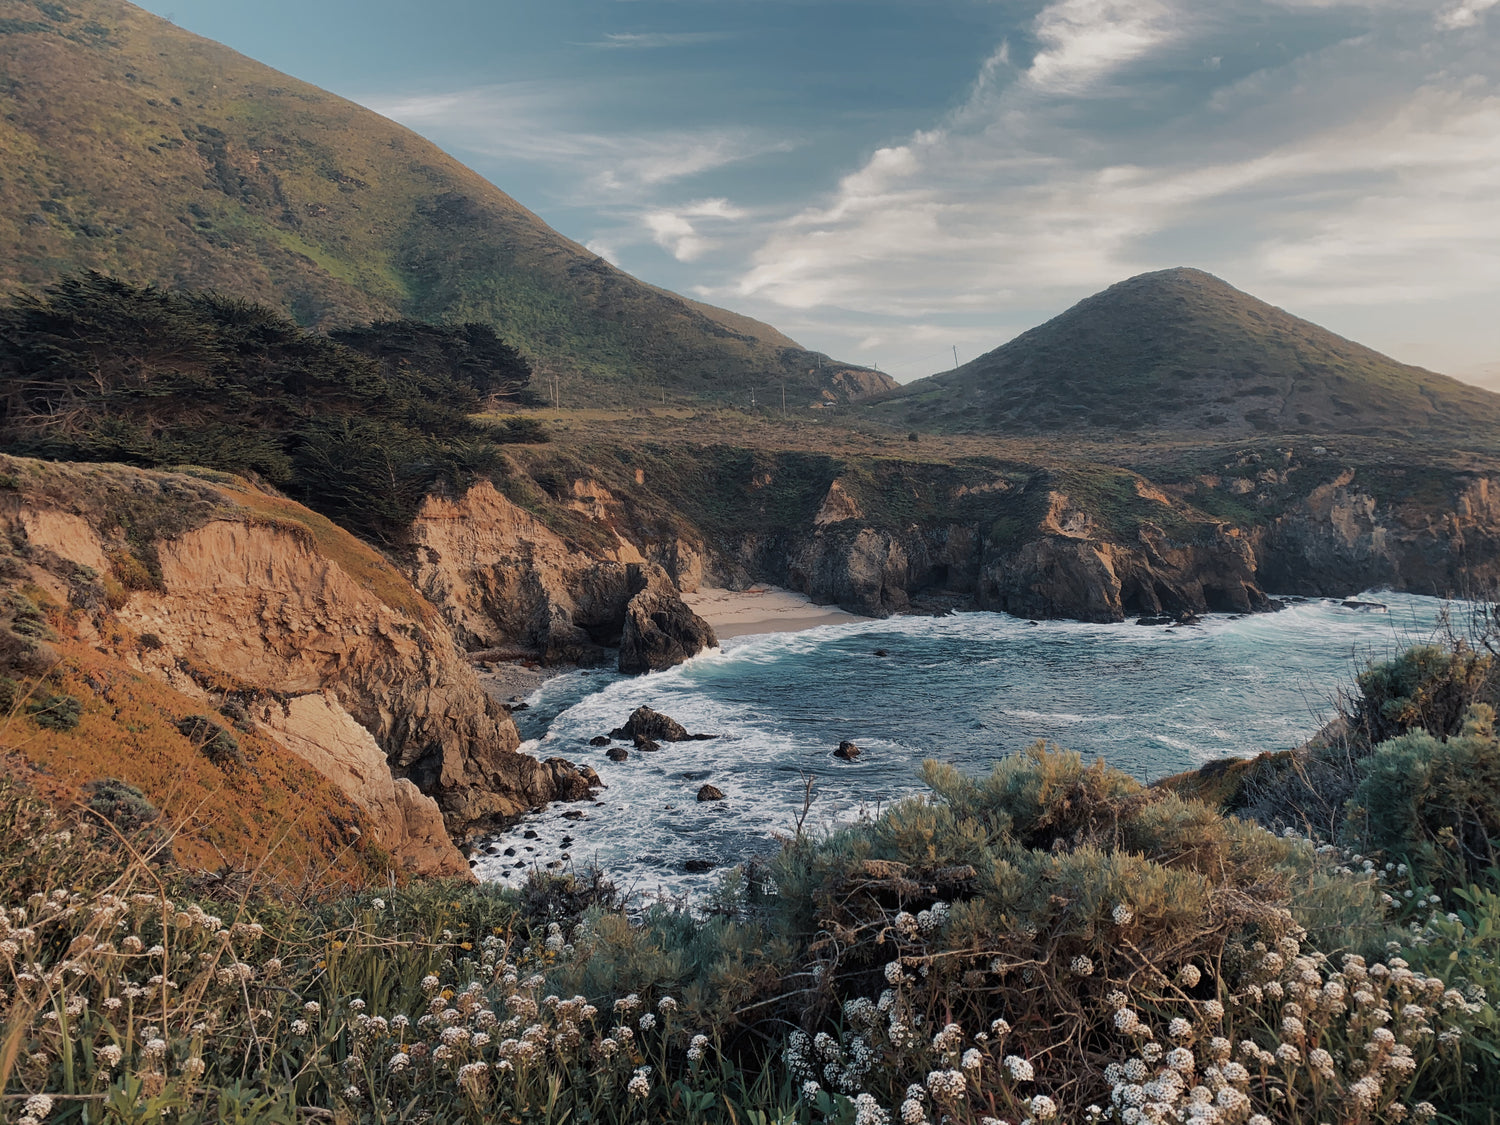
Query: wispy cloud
{"points": [[1086, 40], [655, 40], [530, 122], [679, 231]]}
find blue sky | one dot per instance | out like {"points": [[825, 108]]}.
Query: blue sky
{"points": [[888, 181]]}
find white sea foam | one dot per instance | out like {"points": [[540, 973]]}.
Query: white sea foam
{"points": [[967, 688]]}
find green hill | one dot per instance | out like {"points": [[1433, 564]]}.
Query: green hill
{"points": [[1182, 350], [134, 148]]}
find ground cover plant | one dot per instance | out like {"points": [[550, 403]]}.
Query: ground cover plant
{"points": [[1051, 942]]}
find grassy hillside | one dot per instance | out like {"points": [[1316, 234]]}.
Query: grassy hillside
{"points": [[137, 149], [1182, 350]]}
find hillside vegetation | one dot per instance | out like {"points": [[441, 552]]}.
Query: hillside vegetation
{"points": [[1181, 350], [361, 426], [137, 149]]}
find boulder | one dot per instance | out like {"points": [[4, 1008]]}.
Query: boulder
{"points": [[710, 793], [697, 866], [646, 723], [599, 740], [616, 754], [648, 745], [660, 630], [847, 751], [569, 783]]}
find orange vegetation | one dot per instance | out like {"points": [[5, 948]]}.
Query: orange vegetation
{"points": [[273, 813]]}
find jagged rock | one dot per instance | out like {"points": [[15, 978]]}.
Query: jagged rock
{"points": [[590, 775], [698, 866], [599, 740], [567, 782], [710, 793], [660, 631], [847, 751], [648, 745], [882, 652], [646, 723], [1157, 620], [617, 754], [574, 814], [529, 834]]}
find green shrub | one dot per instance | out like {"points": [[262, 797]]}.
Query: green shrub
{"points": [[53, 711], [1433, 802], [1427, 687], [216, 744]]}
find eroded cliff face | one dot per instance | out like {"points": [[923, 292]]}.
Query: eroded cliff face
{"points": [[505, 580], [1053, 558], [1073, 568], [1341, 537], [264, 605], [324, 645]]}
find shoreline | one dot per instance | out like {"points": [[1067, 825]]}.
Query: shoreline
{"points": [[763, 609]]}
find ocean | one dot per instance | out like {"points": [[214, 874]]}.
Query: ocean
{"points": [[968, 689]]}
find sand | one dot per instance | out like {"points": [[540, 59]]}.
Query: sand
{"points": [[763, 609]]}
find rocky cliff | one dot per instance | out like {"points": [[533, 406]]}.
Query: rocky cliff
{"points": [[233, 596], [881, 536], [1350, 533], [506, 580]]}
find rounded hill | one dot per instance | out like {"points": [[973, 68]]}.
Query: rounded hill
{"points": [[1180, 349]]}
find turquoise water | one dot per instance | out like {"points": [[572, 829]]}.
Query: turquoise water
{"points": [[965, 689]]}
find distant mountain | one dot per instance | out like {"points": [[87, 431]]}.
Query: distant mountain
{"points": [[140, 150], [1180, 349]]}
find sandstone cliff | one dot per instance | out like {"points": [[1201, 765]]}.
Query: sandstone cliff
{"points": [[505, 579], [227, 593]]}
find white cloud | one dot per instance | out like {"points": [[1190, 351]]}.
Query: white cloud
{"points": [[1357, 174], [1085, 40], [1465, 14], [676, 232]]}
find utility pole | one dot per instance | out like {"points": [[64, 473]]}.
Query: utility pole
{"points": [[783, 400], [955, 356]]}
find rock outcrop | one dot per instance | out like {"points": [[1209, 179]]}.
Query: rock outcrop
{"points": [[316, 638], [502, 577], [1074, 569], [646, 723], [660, 632], [1340, 537]]}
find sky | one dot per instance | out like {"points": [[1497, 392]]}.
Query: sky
{"points": [[896, 182]]}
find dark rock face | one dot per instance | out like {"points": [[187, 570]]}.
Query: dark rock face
{"points": [[647, 745], [569, 782], [646, 723], [617, 754], [710, 793], [1070, 571], [599, 740], [698, 866], [660, 632], [847, 751], [1342, 537]]}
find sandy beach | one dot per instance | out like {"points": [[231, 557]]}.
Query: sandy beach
{"points": [[763, 609]]}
